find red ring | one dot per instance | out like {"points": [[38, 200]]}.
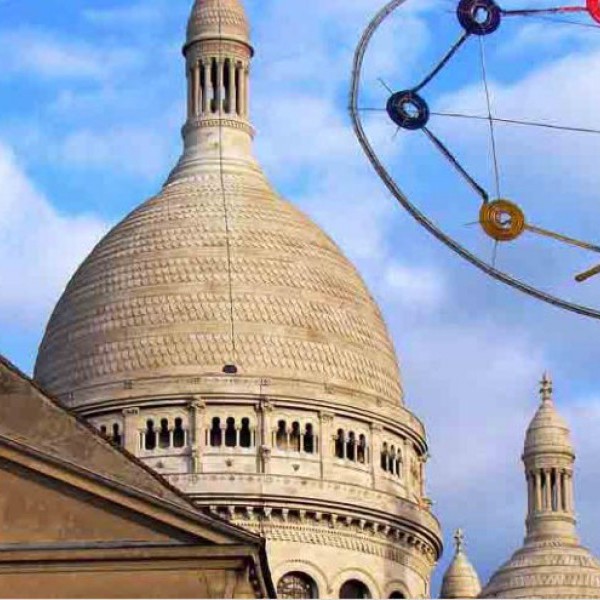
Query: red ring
{"points": [[593, 7]]}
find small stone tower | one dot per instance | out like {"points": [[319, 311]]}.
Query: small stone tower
{"points": [[551, 563], [461, 579]]}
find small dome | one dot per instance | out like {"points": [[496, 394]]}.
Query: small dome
{"points": [[547, 432], [218, 18], [461, 579]]}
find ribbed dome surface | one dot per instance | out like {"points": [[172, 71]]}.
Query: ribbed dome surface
{"points": [[552, 569], [153, 298], [211, 18], [547, 432], [461, 579]]}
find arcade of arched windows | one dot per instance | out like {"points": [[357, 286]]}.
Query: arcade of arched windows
{"points": [[229, 432], [392, 460], [112, 431], [163, 434], [294, 436], [352, 446]]}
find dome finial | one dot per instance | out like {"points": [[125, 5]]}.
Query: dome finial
{"points": [[546, 388], [459, 540]]}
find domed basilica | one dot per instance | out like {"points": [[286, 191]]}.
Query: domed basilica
{"points": [[224, 342]]}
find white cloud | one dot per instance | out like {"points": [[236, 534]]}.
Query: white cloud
{"points": [[421, 288], [41, 54], [39, 247]]}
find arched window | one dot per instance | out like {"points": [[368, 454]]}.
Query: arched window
{"points": [[391, 460], [297, 585], [354, 589], [399, 463], [361, 451], [340, 444], [295, 437], [178, 434], [309, 439], [117, 438], [281, 436], [227, 84], [396, 594], [351, 446], [164, 437], [103, 430], [230, 433], [216, 435], [245, 434], [150, 436], [384, 456]]}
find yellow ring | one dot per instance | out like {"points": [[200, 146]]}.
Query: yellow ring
{"points": [[502, 220]]}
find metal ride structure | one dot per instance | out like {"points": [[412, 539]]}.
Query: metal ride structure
{"points": [[500, 219]]}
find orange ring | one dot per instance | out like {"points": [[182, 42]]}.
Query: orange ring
{"points": [[502, 220]]}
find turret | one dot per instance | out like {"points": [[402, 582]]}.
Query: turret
{"points": [[218, 54], [460, 579], [548, 457]]}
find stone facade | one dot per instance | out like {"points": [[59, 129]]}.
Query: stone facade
{"points": [[79, 518], [221, 337]]}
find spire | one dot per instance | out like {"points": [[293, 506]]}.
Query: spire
{"points": [[546, 388], [218, 55], [548, 458], [459, 539], [460, 579]]}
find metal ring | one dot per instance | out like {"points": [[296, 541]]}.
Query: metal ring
{"points": [[469, 13], [502, 220], [359, 130], [408, 110]]}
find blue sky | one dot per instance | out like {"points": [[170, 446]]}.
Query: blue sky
{"points": [[91, 102]]}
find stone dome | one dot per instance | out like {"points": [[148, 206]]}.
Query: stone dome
{"points": [[548, 431], [153, 298], [550, 569], [220, 336], [217, 18], [460, 579]]}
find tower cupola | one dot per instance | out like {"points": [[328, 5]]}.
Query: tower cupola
{"points": [[217, 53], [548, 457]]}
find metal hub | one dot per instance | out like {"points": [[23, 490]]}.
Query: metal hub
{"points": [[502, 220], [408, 110], [479, 17]]}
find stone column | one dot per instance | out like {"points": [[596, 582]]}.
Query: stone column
{"points": [[264, 410], [538, 490], [207, 92], [131, 430], [242, 91], [376, 441], [190, 88], [232, 87], [247, 92], [548, 490], [197, 89], [219, 92], [197, 409], [325, 435]]}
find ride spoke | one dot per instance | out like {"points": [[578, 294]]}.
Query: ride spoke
{"points": [[454, 162], [490, 118], [517, 122], [443, 62], [544, 11]]}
